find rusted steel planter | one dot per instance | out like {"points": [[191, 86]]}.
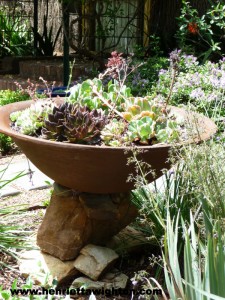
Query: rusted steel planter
{"points": [[94, 169]]}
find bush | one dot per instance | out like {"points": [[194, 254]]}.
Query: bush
{"points": [[202, 36], [7, 97]]}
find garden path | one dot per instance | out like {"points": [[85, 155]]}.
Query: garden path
{"points": [[29, 177]]}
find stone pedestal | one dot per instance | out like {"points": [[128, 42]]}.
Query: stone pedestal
{"points": [[74, 220]]}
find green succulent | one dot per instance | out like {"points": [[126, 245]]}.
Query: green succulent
{"points": [[167, 133], [74, 124], [138, 107], [141, 130], [30, 120], [83, 94], [91, 92], [113, 133], [146, 131]]}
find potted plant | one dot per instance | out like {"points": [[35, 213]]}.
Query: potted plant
{"points": [[83, 141]]}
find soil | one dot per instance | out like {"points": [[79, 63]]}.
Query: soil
{"points": [[31, 206]]}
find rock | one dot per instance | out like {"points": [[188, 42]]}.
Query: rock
{"points": [[127, 240], [94, 260], [38, 265], [114, 279], [64, 228], [74, 220]]}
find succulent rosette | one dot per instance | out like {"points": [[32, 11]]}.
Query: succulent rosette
{"points": [[73, 123]]}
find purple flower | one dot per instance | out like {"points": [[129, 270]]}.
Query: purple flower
{"points": [[197, 94]]}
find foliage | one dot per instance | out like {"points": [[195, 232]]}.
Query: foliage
{"points": [[174, 195], [6, 144], [15, 38], [146, 75], [204, 271], [6, 97], [12, 237], [192, 243], [207, 174], [150, 61], [202, 36]]}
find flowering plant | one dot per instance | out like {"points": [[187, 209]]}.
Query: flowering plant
{"points": [[203, 35], [103, 114], [201, 85]]}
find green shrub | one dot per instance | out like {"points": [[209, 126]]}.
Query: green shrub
{"points": [[202, 36], [6, 144], [186, 219], [7, 97]]}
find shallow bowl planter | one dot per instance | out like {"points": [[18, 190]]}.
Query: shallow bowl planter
{"points": [[95, 169]]}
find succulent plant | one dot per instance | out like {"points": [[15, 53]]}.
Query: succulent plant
{"points": [[30, 120], [113, 133], [94, 95], [74, 124], [141, 130], [146, 131], [82, 93], [167, 133], [135, 108]]}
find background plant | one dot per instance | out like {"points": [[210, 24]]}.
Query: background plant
{"points": [[15, 38], [48, 39], [151, 60], [6, 97], [202, 36], [201, 86]]}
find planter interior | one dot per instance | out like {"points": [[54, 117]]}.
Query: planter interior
{"points": [[95, 169]]}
